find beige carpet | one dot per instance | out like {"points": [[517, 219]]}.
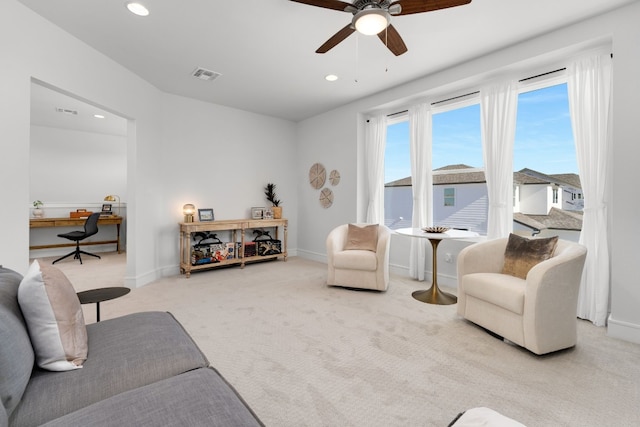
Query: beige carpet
{"points": [[304, 354]]}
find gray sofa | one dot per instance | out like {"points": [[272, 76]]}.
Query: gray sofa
{"points": [[143, 369]]}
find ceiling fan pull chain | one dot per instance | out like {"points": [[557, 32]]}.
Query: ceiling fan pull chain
{"points": [[356, 70], [386, 43]]}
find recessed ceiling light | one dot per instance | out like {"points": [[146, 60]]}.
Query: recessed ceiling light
{"points": [[98, 116], [331, 77], [137, 8]]}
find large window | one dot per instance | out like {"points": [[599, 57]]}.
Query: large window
{"points": [[545, 164], [544, 138], [459, 190], [398, 197], [545, 167]]}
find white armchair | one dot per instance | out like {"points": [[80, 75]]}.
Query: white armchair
{"points": [[358, 268], [539, 312]]}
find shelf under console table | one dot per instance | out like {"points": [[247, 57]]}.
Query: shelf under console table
{"points": [[234, 227]]}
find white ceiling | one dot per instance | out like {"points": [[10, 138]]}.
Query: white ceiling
{"points": [[265, 49], [46, 102]]}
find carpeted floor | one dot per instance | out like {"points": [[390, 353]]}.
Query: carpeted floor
{"points": [[304, 354]]}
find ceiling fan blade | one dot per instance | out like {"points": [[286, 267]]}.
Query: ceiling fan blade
{"points": [[391, 38], [419, 6], [335, 39], [328, 4]]}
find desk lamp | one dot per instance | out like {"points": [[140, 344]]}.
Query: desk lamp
{"points": [[188, 210], [113, 198]]}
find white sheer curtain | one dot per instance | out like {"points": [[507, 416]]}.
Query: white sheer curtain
{"points": [[498, 108], [589, 85], [421, 182], [374, 145]]}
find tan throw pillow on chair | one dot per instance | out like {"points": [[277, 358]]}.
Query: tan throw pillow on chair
{"points": [[522, 254], [362, 238]]}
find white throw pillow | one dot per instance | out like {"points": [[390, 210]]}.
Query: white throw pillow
{"points": [[54, 318]]}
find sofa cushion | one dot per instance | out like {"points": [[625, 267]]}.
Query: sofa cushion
{"points": [[16, 353], [54, 318], [197, 398], [363, 238], [355, 260], [522, 254], [124, 353], [499, 289]]}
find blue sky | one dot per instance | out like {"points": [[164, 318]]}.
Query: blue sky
{"points": [[544, 139]]}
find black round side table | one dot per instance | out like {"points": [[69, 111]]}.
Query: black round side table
{"points": [[101, 294]]}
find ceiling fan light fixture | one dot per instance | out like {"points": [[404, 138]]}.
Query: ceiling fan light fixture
{"points": [[371, 21]]}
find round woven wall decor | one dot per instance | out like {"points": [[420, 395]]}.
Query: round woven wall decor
{"points": [[334, 177], [326, 198], [317, 176]]}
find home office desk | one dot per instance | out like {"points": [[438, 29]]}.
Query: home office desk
{"points": [[76, 222]]}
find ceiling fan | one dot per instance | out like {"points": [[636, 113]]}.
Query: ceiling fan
{"points": [[374, 17]]}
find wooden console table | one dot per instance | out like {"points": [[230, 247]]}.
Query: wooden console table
{"points": [[75, 222], [233, 226]]}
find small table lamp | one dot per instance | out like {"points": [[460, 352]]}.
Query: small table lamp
{"points": [[188, 210], [113, 198]]}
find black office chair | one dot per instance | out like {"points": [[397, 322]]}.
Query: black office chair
{"points": [[90, 228]]}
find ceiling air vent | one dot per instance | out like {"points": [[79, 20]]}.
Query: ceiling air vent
{"points": [[204, 74], [67, 111]]}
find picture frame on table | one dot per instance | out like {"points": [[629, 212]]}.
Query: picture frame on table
{"points": [[106, 208], [205, 215], [257, 212]]}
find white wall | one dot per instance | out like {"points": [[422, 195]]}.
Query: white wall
{"points": [[535, 199], [178, 150], [346, 126], [72, 166], [329, 139], [221, 158], [398, 203], [34, 48], [469, 211]]}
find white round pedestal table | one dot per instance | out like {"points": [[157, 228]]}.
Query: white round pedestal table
{"points": [[434, 295]]}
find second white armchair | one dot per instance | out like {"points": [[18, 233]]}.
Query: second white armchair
{"points": [[537, 312], [358, 268]]}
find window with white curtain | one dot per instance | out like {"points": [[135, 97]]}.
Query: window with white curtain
{"points": [[544, 161], [398, 198], [458, 177]]}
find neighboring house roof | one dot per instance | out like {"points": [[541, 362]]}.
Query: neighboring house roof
{"points": [[404, 182], [464, 174], [556, 219], [566, 179], [573, 179], [471, 177], [454, 167]]}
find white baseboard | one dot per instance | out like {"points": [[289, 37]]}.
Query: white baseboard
{"points": [[623, 330], [148, 277], [313, 256]]}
